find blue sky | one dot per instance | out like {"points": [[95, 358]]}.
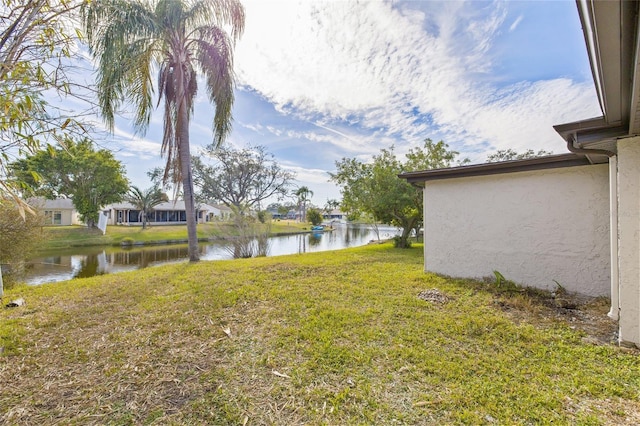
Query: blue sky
{"points": [[322, 80]]}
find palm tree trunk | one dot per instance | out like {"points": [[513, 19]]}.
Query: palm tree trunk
{"points": [[187, 180]]}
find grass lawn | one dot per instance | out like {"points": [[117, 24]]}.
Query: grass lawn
{"points": [[57, 237], [356, 337]]}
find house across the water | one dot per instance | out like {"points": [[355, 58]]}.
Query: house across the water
{"points": [[61, 212], [166, 213], [56, 212]]}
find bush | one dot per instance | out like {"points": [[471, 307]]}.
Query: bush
{"points": [[314, 216], [263, 216], [19, 238], [397, 242]]}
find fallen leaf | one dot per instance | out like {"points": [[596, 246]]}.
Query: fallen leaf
{"points": [[227, 331], [246, 419], [277, 373]]}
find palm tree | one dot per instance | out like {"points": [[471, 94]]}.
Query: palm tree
{"points": [[304, 194], [131, 39], [145, 200]]}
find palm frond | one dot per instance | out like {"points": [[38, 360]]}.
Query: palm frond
{"points": [[215, 57], [120, 34], [219, 13], [169, 148], [130, 37]]}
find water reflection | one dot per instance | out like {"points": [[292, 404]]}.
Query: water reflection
{"points": [[88, 262]]}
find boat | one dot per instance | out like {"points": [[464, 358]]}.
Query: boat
{"points": [[317, 228]]}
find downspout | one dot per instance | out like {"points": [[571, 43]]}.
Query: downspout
{"points": [[571, 147], [613, 235], [613, 220]]}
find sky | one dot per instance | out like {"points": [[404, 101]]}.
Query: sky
{"points": [[318, 81]]}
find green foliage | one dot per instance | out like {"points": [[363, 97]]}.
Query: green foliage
{"points": [[510, 154], [432, 155], [145, 200], [375, 189], [75, 170], [34, 44], [19, 237], [504, 284], [134, 39], [304, 195], [314, 216], [399, 243], [263, 216]]}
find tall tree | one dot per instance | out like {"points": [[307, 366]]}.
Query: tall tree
{"points": [[132, 38], [145, 200], [374, 188], [304, 195], [76, 170], [241, 178]]}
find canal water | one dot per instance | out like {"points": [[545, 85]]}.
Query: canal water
{"points": [[90, 261]]}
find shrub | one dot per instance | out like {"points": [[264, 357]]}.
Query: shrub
{"points": [[19, 238], [397, 242], [314, 216]]}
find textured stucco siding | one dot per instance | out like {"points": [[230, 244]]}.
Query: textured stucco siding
{"points": [[629, 238], [66, 217], [533, 227]]}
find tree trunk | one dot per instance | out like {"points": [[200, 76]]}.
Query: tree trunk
{"points": [[182, 128], [406, 233], [404, 238]]}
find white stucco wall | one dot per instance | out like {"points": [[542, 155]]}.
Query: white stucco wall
{"points": [[67, 217], [629, 239], [533, 227]]}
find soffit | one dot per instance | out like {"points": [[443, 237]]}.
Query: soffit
{"points": [[611, 35]]}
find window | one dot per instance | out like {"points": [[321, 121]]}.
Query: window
{"points": [[53, 217], [134, 216]]}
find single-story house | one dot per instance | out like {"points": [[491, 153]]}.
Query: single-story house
{"points": [[336, 215], [166, 213], [571, 219], [56, 212], [61, 212], [209, 212]]}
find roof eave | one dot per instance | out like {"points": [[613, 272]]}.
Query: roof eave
{"points": [[512, 166]]}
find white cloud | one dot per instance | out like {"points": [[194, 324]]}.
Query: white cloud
{"points": [[132, 145], [515, 23], [382, 65]]}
